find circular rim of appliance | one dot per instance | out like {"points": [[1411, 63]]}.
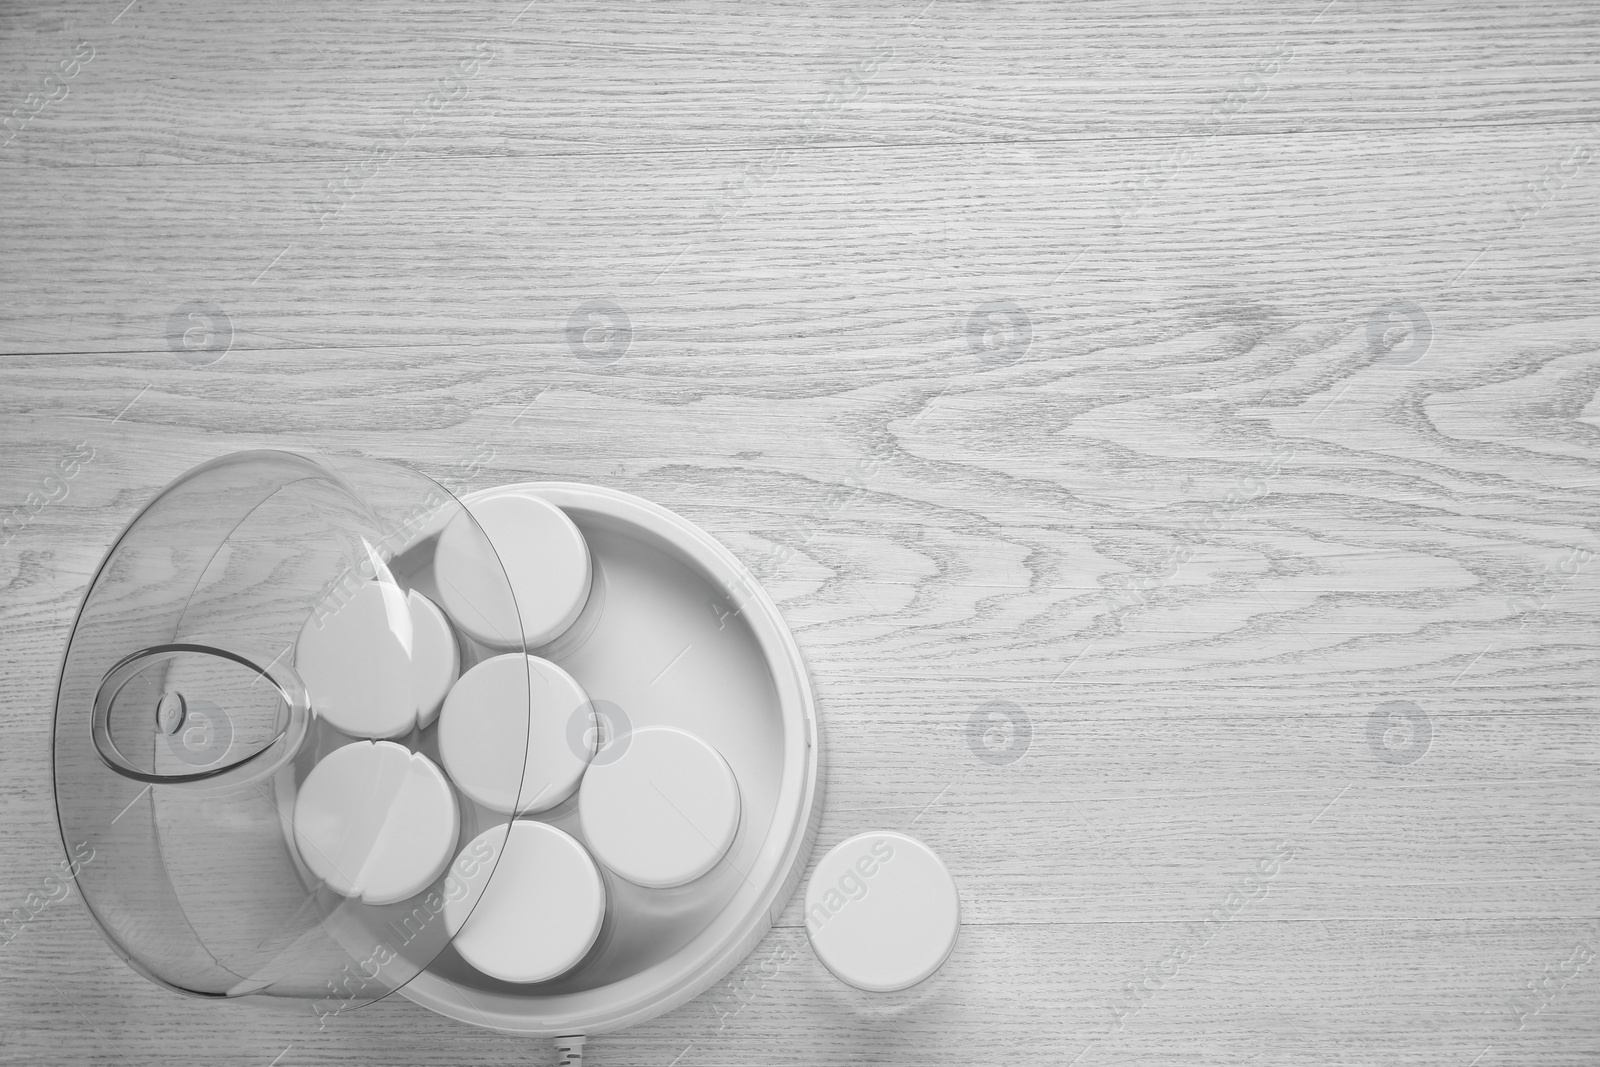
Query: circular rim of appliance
{"points": [[741, 925]]}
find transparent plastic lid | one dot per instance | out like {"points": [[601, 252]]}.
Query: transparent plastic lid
{"points": [[246, 764]]}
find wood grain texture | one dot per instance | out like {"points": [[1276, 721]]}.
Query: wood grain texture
{"points": [[1194, 532]]}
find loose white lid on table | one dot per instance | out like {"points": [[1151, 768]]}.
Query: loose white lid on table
{"points": [[376, 821], [378, 662], [533, 905], [541, 553], [659, 807], [512, 734], [882, 912]]}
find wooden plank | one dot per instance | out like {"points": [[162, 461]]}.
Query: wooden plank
{"points": [[1185, 552]]}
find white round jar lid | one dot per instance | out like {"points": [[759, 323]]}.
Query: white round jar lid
{"points": [[659, 806], [544, 557], [435, 657], [377, 662], [375, 821], [533, 905], [511, 714], [882, 912]]}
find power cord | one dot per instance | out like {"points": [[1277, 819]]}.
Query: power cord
{"points": [[570, 1051]]}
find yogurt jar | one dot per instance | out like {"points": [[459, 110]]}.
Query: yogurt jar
{"points": [[532, 906]]}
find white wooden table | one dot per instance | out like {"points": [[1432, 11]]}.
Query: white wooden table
{"points": [[1204, 397]]}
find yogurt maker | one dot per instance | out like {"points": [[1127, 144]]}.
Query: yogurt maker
{"points": [[542, 758]]}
